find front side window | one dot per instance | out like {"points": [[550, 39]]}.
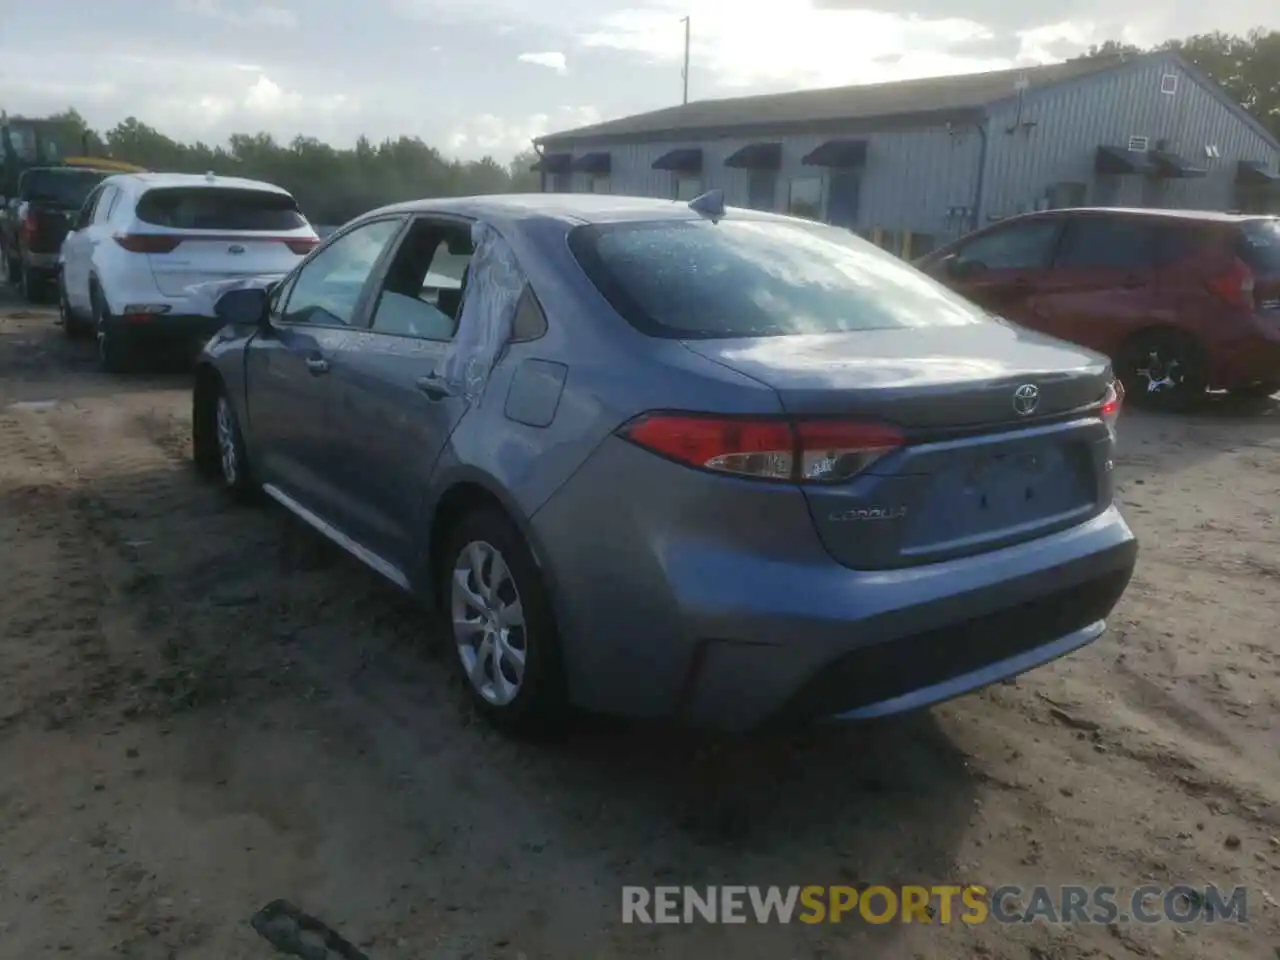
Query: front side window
{"points": [[421, 295], [693, 279], [328, 287], [1112, 243], [1018, 246]]}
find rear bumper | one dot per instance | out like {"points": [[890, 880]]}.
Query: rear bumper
{"points": [[1252, 359], [180, 333], [730, 621]]}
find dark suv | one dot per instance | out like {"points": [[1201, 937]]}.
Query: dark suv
{"points": [[1180, 300]]}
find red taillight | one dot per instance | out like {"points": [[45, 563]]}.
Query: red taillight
{"points": [[1234, 285], [808, 451], [302, 244], [1112, 401], [148, 242]]}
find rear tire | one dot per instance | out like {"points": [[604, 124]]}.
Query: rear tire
{"points": [[114, 356], [233, 472], [499, 615], [1163, 370], [29, 286]]}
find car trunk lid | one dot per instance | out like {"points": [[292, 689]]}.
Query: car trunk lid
{"points": [[180, 262], [1003, 441]]}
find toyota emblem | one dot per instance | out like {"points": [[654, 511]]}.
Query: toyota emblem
{"points": [[1025, 399]]}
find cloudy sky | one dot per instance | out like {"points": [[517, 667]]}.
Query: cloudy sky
{"points": [[484, 76]]}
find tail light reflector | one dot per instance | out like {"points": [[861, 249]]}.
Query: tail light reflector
{"points": [[1112, 401], [1234, 285], [805, 451], [148, 242], [302, 245]]}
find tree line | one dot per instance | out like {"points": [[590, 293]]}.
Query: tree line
{"points": [[334, 184]]}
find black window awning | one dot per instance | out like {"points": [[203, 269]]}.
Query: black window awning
{"points": [[1255, 173], [1169, 164], [757, 156], [553, 163], [596, 164], [837, 153], [1118, 160], [680, 160]]}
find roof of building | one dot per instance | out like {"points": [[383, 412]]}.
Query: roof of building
{"points": [[929, 95]]}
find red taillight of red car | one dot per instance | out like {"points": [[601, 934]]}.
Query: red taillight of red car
{"points": [[1234, 285], [805, 451], [148, 242]]}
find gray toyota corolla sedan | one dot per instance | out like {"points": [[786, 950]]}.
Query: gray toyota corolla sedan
{"points": [[672, 460]]}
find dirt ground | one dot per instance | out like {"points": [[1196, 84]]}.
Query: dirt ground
{"points": [[204, 708]]}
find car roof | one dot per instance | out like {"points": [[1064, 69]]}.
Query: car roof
{"points": [[1209, 215], [570, 208], [153, 180]]}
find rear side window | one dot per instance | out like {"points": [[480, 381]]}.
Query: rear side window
{"points": [[219, 208], [1259, 246], [752, 278], [1116, 243]]}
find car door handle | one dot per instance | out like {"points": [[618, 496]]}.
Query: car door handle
{"points": [[434, 386], [317, 365]]}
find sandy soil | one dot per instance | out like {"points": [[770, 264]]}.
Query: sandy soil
{"points": [[204, 708]]}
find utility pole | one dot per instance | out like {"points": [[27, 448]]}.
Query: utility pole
{"points": [[685, 72]]}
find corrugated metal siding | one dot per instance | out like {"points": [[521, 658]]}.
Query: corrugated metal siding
{"points": [[1073, 120], [910, 182]]}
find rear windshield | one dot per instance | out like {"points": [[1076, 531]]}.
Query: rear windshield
{"points": [[1259, 245], [219, 208], [754, 278], [66, 188]]}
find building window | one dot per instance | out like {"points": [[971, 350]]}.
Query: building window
{"points": [[1138, 144], [687, 187], [762, 190], [599, 184], [805, 198], [1169, 83]]}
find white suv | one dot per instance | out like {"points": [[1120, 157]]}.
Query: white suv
{"points": [[141, 240]]}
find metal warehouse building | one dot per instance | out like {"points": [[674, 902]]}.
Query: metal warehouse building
{"points": [[910, 164]]}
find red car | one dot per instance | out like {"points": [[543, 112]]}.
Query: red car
{"points": [[1180, 300]]}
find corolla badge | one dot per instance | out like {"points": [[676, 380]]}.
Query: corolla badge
{"points": [[1025, 399], [858, 514]]}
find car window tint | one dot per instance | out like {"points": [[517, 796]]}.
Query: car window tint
{"points": [[757, 278], [328, 287], [421, 294], [1018, 246], [1118, 243]]}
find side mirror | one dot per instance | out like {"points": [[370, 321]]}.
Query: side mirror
{"points": [[244, 307]]}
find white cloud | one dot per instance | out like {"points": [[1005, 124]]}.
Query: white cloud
{"points": [[253, 16], [503, 136], [552, 60]]}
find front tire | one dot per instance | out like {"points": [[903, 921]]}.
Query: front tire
{"points": [[1164, 370], [502, 627]]}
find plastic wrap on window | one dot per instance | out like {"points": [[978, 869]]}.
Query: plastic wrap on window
{"points": [[494, 285], [205, 296]]}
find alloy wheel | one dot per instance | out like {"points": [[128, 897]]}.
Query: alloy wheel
{"points": [[1160, 372], [488, 623], [227, 452]]}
